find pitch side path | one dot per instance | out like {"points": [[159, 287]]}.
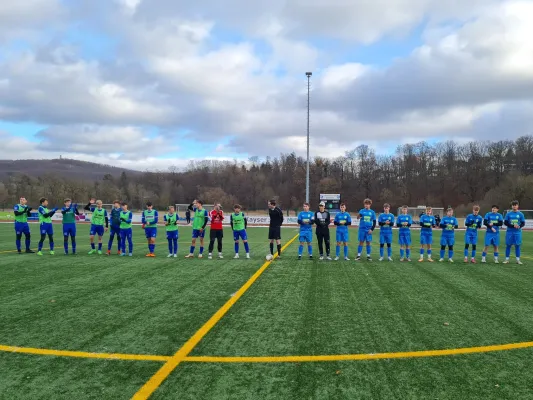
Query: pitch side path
{"points": [[98, 327]]}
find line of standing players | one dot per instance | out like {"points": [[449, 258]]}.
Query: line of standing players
{"points": [[493, 221]]}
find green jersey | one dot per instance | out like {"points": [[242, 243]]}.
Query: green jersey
{"points": [[200, 219], [43, 218], [127, 216], [238, 221], [171, 222], [99, 216], [24, 217], [150, 218], [69, 215]]}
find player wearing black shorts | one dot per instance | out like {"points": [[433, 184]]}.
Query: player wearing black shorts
{"points": [[274, 230]]}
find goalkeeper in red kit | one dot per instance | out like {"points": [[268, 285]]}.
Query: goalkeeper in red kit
{"points": [[216, 216]]}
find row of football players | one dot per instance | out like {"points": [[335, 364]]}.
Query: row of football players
{"points": [[493, 221], [119, 224]]}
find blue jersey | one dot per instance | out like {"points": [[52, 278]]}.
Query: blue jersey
{"points": [[115, 217], [306, 220], [449, 225], [513, 218], [427, 222], [493, 220], [368, 219], [342, 220], [404, 222], [473, 223], [382, 221]]}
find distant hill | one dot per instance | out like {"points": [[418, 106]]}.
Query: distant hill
{"points": [[73, 169]]}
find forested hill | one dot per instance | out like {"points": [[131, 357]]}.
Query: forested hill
{"points": [[65, 168]]}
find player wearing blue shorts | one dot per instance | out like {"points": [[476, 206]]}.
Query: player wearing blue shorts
{"points": [[171, 225], [493, 221], [342, 221], [114, 227], [45, 226], [69, 211], [448, 225], [99, 224], [199, 222], [239, 224], [427, 223], [306, 219], [22, 212], [404, 222], [367, 224], [473, 223], [150, 218], [514, 221], [126, 218], [385, 222]]}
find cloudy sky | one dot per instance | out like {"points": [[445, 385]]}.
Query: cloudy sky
{"points": [[147, 84]]}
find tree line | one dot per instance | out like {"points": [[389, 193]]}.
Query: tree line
{"points": [[441, 175]]}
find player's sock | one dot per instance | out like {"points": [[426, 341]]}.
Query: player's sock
{"points": [[272, 248], [236, 247], [389, 250], [279, 249], [359, 250], [450, 253], [421, 253], [65, 244], [192, 250], [246, 247], [345, 251], [300, 250], [408, 253], [92, 246], [474, 251], [508, 251], [368, 250], [99, 246], [28, 242], [52, 246], [517, 251], [381, 249], [466, 252], [310, 249], [110, 242], [442, 251], [429, 253], [201, 250], [169, 246], [175, 243], [496, 255], [484, 254], [18, 242], [402, 252], [338, 250], [130, 244]]}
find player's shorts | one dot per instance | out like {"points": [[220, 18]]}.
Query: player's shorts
{"points": [[385, 237], [404, 239], [46, 228], [126, 233], [172, 234], [342, 236], [426, 238], [114, 230], [306, 236], [471, 238], [69, 230], [150, 232], [197, 233], [513, 238], [216, 234], [97, 230], [447, 240], [492, 239], [322, 234], [274, 233], [240, 235], [363, 235], [22, 228]]}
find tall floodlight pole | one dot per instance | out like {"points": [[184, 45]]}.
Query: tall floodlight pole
{"points": [[308, 74]]}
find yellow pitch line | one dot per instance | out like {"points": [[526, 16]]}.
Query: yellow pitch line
{"points": [[8, 251], [361, 357], [82, 354], [156, 380]]}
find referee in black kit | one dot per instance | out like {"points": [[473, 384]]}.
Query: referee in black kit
{"points": [[274, 230], [323, 220]]}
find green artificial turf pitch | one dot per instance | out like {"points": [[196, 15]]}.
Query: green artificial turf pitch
{"points": [[150, 306]]}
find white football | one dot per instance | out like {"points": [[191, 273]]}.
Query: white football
{"points": [[269, 257]]}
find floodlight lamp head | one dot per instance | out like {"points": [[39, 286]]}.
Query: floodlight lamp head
{"points": [[308, 73]]}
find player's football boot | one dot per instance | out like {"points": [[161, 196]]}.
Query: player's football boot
{"points": [[220, 256], [248, 255], [299, 257], [311, 257], [421, 260], [368, 258], [236, 256], [336, 258], [200, 256], [19, 251], [358, 258], [52, 253], [328, 258], [473, 261], [408, 260], [108, 252], [466, 260], [209, 257], [321, 257], [175, 255], [519, 262], [496, 261], [346, 259], [100, 252], [119, 252], [380, 259], [430, 259], [91, 252], [483, 260], [390, 259], [170, 255], [39, 253], [123, 255], [441, 260], [506, 261], [450, 260], [29, 251], [402, 259], [189, 255]]}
